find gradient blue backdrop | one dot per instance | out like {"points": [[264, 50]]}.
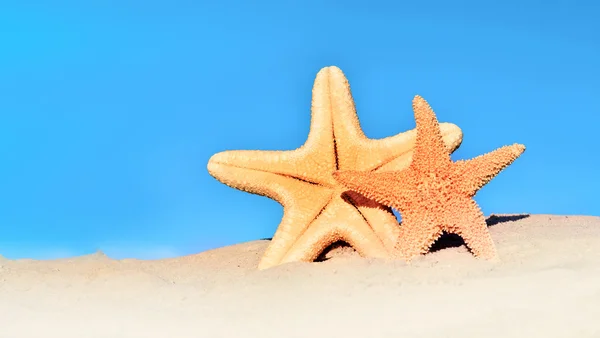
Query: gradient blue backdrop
{"points": [[109, 113]]}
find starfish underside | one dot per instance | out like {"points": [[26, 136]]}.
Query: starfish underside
{"points": [[434, 194], [318, 210]]}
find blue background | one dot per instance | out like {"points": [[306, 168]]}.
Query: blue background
{"points": [[110, 112]]}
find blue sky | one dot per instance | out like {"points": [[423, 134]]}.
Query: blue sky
{"points": [[109, 113]]}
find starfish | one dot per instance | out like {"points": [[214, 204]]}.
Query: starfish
{"points": [[317, 212], [434, 194]]}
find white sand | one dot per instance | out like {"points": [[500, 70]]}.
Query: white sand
{"points": [[547, 285]]}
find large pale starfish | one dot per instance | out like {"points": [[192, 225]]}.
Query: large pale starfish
{"points": [[317, 212], [434, 194]]}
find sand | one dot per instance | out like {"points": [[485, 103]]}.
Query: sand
{"points": [[546, 285]]}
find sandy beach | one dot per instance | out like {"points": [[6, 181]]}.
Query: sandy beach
{"points": [[546, 285]]}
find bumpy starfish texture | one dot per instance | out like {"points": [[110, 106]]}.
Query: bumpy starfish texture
{"points": [[434, 194], [317, 211]]}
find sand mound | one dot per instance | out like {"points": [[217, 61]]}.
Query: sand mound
{"points": [[547, 285]]}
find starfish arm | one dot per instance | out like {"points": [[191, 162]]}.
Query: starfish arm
{"points": [[303, 164], [395, 153], [430, 151], [380, 187], [352, 148], [265, 173], [464, 218], [329, 228], [297, 218], [320, 135], [475, 173], [379, 217], [349, 139], [301, 201], [345, 120], [418, 232]]}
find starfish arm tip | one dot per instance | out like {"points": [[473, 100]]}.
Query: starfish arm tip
{"points": [[519, 148], [330, 70], [478, 171], [335, 69], [213, 163]]}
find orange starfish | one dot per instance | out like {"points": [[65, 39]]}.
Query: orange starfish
{"points": [[434, 194]]}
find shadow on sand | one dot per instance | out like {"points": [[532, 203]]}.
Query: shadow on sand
{"points": [[454, 241], [446, 241]]}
